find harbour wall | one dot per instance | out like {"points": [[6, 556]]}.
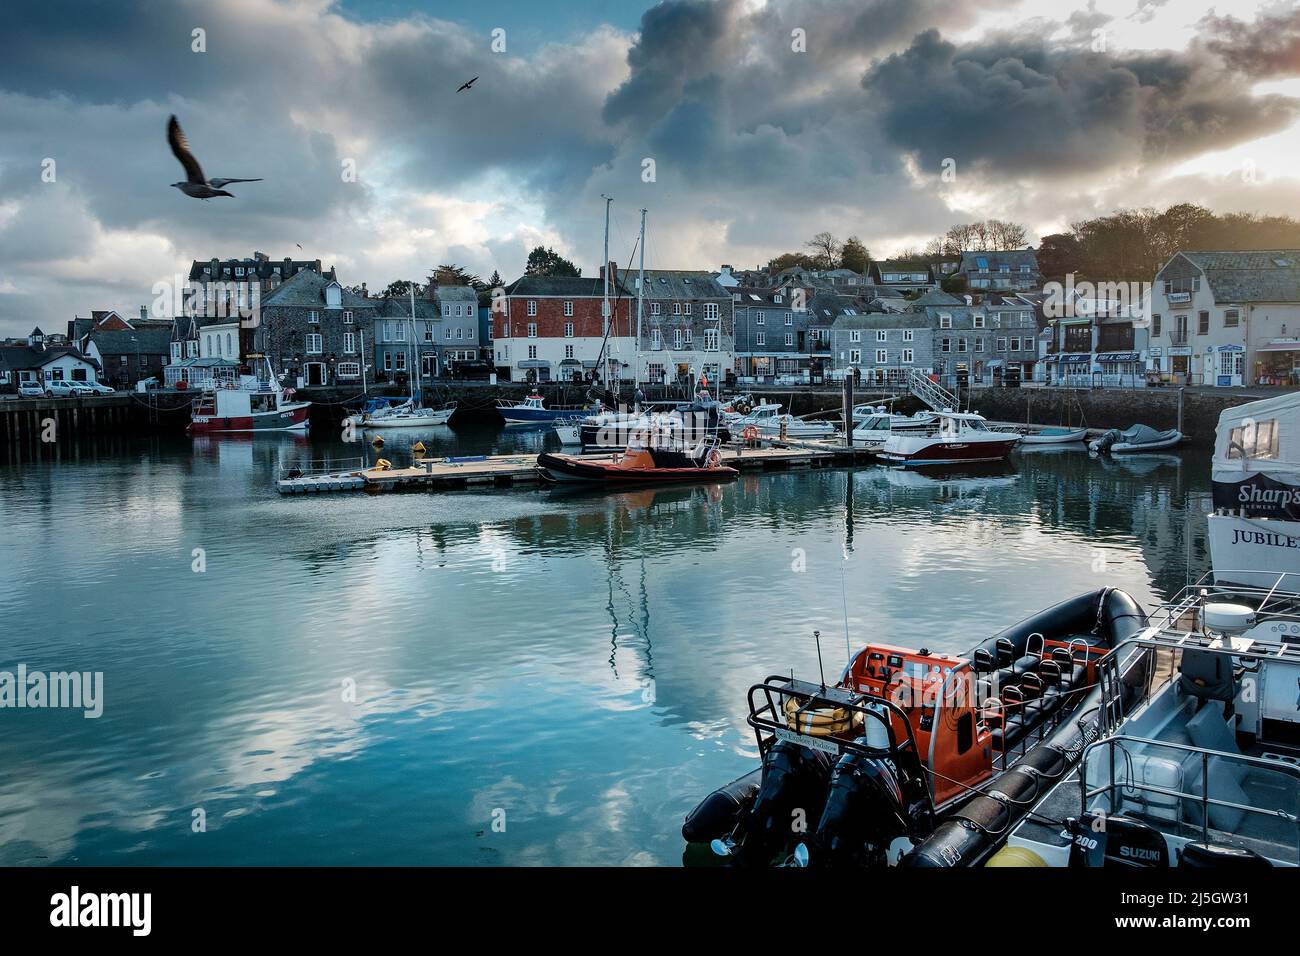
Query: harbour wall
{"points": [[1194, 411]]}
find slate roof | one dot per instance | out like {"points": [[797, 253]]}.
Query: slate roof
{"points": [[146, 342], [306, 290], [264, 268], [561, 286], [1014, 258], [936, 297], [1251, 275], [676, 284], [17, 357], [456, 293], [399, 307], [880, 320]]}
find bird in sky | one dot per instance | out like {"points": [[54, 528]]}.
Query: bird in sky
{"points": [[467, 84], [196, 184]]}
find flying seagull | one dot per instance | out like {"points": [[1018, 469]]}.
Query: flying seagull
{"points": [[196, 184], [467, 84]]}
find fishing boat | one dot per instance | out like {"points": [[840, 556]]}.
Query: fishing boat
{"points": [[872, 429], [908, 737], [1196, 761], [1139, 438], [1254, 531], [1053, 436], [953, 438], [533, 410], [254, 403], [404, 415], [766, 418]]}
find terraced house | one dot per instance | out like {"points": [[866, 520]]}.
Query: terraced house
{"points": [[314, 331], [878, 347], [1228, 318], [1006, 270], [771, 333], [980, 340], [687, 325]]}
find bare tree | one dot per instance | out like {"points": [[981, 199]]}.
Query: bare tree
{"points": [[826, 249]]}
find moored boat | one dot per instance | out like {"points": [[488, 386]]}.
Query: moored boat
{"points": [[1138, 438], [1053, 436], [769, 422], [254, 403], [907, 737], [1254, 532], [953, 438], [873, 428], [405, 415], [533, 410]]}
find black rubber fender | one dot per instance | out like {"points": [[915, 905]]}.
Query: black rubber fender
{"points": [[717, 814]]}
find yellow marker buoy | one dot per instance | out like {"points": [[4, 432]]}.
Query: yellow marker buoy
{"points": [[418, 448], [378, 441], [1016, 856]]}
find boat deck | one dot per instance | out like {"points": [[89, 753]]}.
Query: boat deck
{"points": [[508, 470]]}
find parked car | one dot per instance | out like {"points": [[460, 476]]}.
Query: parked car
{"points": [[66, 389], [31, 390], [98, 388]]}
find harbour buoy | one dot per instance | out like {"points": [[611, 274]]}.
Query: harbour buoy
{"points": [[378, 441], [383, 464], [418, 448]]}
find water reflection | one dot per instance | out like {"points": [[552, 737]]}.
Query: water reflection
{"points": [[576, 658]]}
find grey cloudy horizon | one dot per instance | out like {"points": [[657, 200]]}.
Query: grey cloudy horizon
{"points": [[756, 146]]}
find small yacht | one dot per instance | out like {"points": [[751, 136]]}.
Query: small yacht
{"points": [[1254, 532], [766, 418], [404, 415], [1197, 758], [953, 438], [533, 410]]}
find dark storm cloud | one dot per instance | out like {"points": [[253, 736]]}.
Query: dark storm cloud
{"points": [[1018, 106], [1269, 47]]}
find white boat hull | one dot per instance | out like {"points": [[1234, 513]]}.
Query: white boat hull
{"points": [[408, 421], [1054, 438], [1253, 551]]}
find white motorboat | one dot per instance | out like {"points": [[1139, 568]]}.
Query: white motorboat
{"points": [[1139, 438], [954, 438], [1254, 531], [1196, 761], [1053, 436], [872, 429], [768, 420]]}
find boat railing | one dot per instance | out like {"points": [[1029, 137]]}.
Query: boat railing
{"points": [[1119, 790], [321, 466]]}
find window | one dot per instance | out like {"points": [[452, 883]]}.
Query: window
{"points": [[428, 331], [882, 356], [907, 335], [532, 306], [568, 351], [778, 299], [961, 345], [460, 333], [347, 318], [1230, 318], [689, 335], [677, 338], [712, 310], [789, 338], [789, 318], [855, 335], [945, 321], [760, 317], [760, 338], [855, 356], [688, 308], [881, 335], [1202, 323], [945, 345], [349, 343], [1025, 268], [979, 344], [677, 308], [388, 361], [568, 308], [1002, 343], [1255, 440], [656, 339], [348, 370], [446, 311], [907, 356], [313, 344], [448, 333], [532, 330], [568, 330], [313, 317], [1155, 325], [532, 351], [711, 339], [977, 321], [1015, 344], [1182, 284], [654, 308]]}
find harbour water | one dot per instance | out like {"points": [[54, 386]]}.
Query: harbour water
{"points": [[490, 677]]}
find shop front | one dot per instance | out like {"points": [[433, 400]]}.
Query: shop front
{"points": [[1121, 369], [1225, 365], [1277, 362]]}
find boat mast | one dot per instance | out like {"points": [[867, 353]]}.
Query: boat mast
{"points": [[640, 300], [414, 373], [604, 271]]}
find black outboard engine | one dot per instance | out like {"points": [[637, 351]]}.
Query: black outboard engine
{"points": [[1115, 841], [865, 812], [1107, 439], [795, 780]]}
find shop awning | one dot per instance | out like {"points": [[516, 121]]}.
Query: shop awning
{"points": [[1280, 347], [535, 363], [1118, 357], [1073, 358]]}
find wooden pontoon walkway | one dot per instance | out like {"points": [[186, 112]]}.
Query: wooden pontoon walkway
{"points": [[507, 470]]}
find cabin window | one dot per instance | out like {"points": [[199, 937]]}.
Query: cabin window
{"points": [[965, 732], [1257, 440]]}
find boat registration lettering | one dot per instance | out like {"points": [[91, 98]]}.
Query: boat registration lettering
{"points": [[816, 743]]}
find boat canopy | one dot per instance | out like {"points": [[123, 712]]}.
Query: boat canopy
{"points": [[1260, 436]]}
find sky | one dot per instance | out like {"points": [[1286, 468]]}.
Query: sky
{"points": [[744, 127]]}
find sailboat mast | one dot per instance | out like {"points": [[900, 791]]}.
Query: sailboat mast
{"points": [[413, 372], [640, 301], [604, 270]]}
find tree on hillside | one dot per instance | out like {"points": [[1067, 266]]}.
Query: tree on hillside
{"points": [[401, 287], [495, 282], [854, 255], [548, 262], [790, 260], [826, 250], [1058, 256]]}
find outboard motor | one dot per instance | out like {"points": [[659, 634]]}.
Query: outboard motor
{"points": [[795, 780], [1107, 439], [1115, 841], [865, 812]]}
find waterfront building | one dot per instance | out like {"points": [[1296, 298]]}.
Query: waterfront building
{"points": [[1228, 317], [222, 287], [879, 347], [36, 361], [772, 344], [312, 330], [687, 325], [979, 340], [458, 309], [1098, 341], [550, 327]]}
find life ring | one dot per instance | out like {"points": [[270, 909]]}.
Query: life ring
{"points": [[750, 433], [819, 721], [715, 458]]}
